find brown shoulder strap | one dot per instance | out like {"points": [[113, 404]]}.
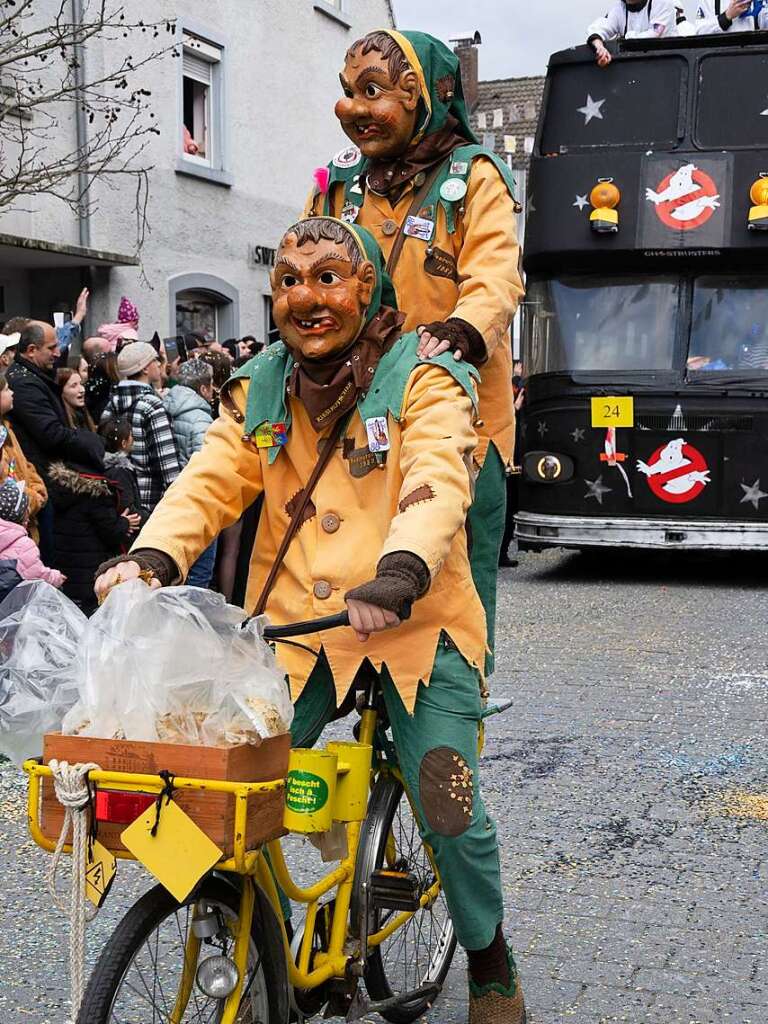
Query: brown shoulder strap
{"points": [[296, 519], [413, 209]]}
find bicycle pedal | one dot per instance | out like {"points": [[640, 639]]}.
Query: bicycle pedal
{"points": [[395, 890]]}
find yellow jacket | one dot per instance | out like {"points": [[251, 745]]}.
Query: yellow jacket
{"points": [[416, 501], [485, 289]]}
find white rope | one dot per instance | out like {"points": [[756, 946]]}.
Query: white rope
{"points": [[71, 787]]}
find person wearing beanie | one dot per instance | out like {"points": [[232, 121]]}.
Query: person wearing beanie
{"points": [[154, 453], [191, 412], [124, 329]]}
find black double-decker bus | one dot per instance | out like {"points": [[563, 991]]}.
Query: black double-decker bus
{"points": [[645, 326]]}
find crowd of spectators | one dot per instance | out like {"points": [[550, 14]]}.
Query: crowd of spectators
{"points": [[92, 433]]}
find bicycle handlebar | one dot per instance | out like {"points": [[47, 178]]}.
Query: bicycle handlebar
{"points": [[305, 628]]}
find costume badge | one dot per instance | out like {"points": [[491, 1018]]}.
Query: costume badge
{"points": [[453, 189], [270, 435], [347, 157], [3, 435], [356, 189], [458, 167], [378, 434], [427, 212], [350, 213], [419, 227]]}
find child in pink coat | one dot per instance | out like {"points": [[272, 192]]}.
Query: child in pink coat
{"points": [[15, 543]]}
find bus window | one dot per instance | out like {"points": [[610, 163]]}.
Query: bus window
{"points": [[627, 323], [728, 330]]}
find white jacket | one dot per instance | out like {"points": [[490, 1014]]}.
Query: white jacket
{"points": [[708, 19], [658, 18]]}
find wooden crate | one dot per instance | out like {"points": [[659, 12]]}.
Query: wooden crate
{"points": [[213, 812]]}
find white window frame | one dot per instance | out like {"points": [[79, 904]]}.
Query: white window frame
{"points": [[337, 10], [209, 46]]}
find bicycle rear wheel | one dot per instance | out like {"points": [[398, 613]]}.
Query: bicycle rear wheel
{"points": [[139, 973], [421, 951]]}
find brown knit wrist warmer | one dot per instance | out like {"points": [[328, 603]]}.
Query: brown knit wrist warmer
{"points": [[162, 566], [401, 579], [462, 337]]}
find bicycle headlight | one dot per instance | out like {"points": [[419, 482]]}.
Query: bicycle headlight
{"points": [[217, 977]]}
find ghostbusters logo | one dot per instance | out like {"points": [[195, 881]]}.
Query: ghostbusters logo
{"points": [[677, 472], [686, 199]]}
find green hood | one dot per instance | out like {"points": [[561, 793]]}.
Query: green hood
{"points": [[439, 72], [384, 293]]}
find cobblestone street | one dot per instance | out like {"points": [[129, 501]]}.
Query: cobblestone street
{"points": [[629, 782]]}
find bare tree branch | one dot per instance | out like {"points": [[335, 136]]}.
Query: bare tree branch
{"points": [[42, 87]]}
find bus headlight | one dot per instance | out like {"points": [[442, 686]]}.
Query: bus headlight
{"points": [[547, 467]]}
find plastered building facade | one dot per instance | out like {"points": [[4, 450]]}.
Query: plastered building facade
{"points": [[245, 114]]}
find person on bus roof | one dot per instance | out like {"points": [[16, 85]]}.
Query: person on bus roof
{"points": [[632, 19], [730, 16]]}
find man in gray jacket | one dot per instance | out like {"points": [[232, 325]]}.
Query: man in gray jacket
{"points": [[189, 409]]}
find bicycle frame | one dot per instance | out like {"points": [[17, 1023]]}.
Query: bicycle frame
{"points": [[267, 868]]}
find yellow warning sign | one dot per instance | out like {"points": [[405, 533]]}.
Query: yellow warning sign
{"points": [[178, 854]]}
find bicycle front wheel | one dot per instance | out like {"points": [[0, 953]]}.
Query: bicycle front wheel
{"points": [[421, 951], [141, 976]]}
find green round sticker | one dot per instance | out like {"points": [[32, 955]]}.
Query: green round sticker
{"points": [[305, 792]]}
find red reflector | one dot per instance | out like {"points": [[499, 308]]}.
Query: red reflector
{"points": [[121, 808]]}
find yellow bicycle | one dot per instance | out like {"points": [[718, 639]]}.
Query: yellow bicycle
{"points": [[226, 955]]}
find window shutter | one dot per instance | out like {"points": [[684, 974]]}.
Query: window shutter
{"points": [[197, 68]]}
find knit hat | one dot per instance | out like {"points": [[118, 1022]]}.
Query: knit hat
{"points": [[127, 313], [134, 358], [9, 341], [13, 502]]}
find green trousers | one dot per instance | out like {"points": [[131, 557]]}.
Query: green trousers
{"points": [[437, 752], [486, 522]]}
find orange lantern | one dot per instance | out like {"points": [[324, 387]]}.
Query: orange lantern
{"points": [[605, 197], [758, 212]]}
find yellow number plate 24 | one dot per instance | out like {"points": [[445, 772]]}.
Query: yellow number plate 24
{"points": [[613, 412]]}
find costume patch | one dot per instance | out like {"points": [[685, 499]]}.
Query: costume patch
{"points": [[270, 435], [419, 227], [422, 493], [459, 167], [427, 212], [440, 263], [350, 213], [361, 461], [347, 157], [446, 791], [445, 87], [378, 434], [309, 512]]}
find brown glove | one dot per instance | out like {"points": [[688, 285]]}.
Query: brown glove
{"points": [[463, 337], [401, 579], [162, 566]]}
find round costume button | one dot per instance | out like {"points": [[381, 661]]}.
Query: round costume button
{"points": [[389, 227], [453, 189], [330, 522], [322, 590], [419, 179]]}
